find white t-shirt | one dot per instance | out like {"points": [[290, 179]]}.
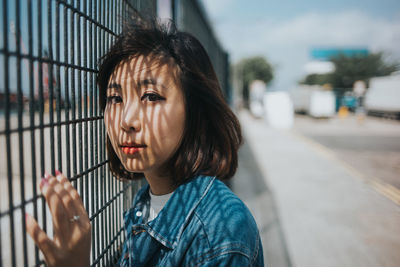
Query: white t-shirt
{"points": [[156, 204]]}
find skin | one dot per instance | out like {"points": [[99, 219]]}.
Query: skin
{"points": [[145, 107], [70, 245], [144, 118]]}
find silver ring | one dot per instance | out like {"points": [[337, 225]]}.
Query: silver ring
{"points": [[75, 218]]}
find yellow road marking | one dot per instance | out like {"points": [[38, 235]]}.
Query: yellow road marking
{"points": [[387, 190]]}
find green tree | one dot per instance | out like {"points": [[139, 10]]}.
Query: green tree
{"points": [[349, 69], [317, 79], [254, 68]]}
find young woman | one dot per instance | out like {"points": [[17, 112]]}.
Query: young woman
{"points": [[167, 121]]}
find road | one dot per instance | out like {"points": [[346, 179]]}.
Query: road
{"points": [[370, 146], [332, 206]]}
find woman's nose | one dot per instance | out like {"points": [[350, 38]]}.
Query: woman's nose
{"points": [[130, 120]]}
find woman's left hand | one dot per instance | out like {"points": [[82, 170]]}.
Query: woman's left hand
{"points": [[71, 241]]}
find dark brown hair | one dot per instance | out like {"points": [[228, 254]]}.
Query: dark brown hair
{"points": [[212, 133]]}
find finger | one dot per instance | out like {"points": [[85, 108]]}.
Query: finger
{"points": [[68, 186], [83, 221], [78, 204], [45, 244], [54, 202], [71, 205]]}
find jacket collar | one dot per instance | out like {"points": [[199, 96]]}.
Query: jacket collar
{"points": [[168, 226]]}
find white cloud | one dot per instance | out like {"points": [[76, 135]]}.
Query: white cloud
{"points": [[345, 29], [287, 44]]}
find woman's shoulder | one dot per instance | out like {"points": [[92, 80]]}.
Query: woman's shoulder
{"points": [[221, 206], [226, 221]]}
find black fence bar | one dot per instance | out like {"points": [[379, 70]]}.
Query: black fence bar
{"points": [[58, 85], [41, 109], [32, 117], [50, 119], [7, 134], [50, 84], [50, 125], [17, 33]]}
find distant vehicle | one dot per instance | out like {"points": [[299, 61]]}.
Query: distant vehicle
{"points": [[349, 100], [314, 101], [383, 96]]}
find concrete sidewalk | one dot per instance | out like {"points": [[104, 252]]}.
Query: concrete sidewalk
{"points": [[249, 184], [327, 214]]}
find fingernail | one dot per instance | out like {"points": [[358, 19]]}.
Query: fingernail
{"points": [[58, 172], [46, 175], [44, 181], [26, 216]]}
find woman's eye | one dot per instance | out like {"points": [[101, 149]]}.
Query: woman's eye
{"points": [[152, 97], [114, 99]]}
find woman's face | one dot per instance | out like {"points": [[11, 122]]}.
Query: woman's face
{"points": [[145, 113]]}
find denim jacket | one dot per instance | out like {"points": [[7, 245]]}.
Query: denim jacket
{"points": [[202, 224]]}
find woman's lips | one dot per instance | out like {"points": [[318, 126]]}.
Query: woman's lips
{"points": [[131, 150]]}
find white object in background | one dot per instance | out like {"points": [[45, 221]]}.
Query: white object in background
{"points": [[301, 97], [257, 89], [278, 110], [383, 95], [322, 104], [359, 88], [256, 109], [313, 100], [319, 67]]}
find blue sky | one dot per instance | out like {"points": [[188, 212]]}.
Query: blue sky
{"points": [[284, 31]]}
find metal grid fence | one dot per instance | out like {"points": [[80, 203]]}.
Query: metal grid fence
{"points": [[50, 119]]}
